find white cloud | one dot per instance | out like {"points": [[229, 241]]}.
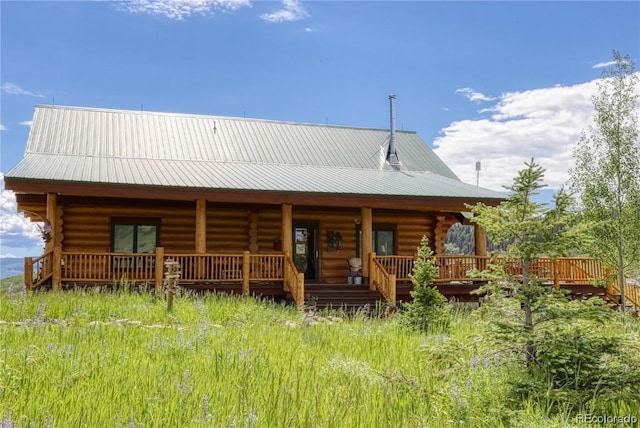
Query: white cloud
{"points": [[7, 256], [16, 231], [13, 89], [2, 127], [181, 9], [542, 123], [292, 10], [604, 64], [26, 122], [473, 95]]}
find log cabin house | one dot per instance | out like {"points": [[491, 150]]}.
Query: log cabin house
{"points": [[242, 205]]}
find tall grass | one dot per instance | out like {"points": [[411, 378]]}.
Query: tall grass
{"points": [[87, 359]]}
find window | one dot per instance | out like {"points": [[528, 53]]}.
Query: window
{"points": [[134, 235], [383, 242]]}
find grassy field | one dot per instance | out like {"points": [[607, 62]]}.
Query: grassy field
{"points": [[78, 359], [13, 282]]}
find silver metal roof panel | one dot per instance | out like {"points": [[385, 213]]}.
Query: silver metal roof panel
{"points": [[162, 149]]}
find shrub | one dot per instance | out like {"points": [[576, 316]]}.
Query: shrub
{"points": [[429, 307], [583, 358]]}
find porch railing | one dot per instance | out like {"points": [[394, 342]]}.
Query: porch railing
{"points": [[294, 282], [209, 268], [267, 267], [78, 267], [38, 271], [575, 270], [57, 267], [381, 279], [100, 267], [631, 293], [562, 270]]}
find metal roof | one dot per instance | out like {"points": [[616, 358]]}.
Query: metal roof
{"points": [[161, 149]]}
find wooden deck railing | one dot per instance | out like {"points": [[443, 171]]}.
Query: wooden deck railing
{"points": [[38, 271], [575, 270], [267, 267], [562, 270], [450, 267], [209, 268], [381, 279], [101, 267], [631, 293], [400, 266], [579, 270], [77, 267], [456, 268], [57, 267], [294, 282]]}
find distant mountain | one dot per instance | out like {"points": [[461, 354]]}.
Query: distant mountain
{"points": [[11, 267]]}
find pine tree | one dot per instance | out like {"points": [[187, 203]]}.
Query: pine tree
{"points": [[531, 230], [428, 307]]}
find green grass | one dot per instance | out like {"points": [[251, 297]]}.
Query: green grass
{"points": [[86, 359], [12, 282]]}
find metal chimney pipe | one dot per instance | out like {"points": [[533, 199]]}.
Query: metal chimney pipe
{"points": [[392, 157]]}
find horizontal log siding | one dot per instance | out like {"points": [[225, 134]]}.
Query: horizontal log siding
{"points": [[269, 228], [227, 229], [88, 229], [410, 227], [178, 229]]}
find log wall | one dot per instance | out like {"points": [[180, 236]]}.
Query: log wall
{"points": [[237, 228]]}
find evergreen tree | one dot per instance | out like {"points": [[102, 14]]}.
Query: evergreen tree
{"points": [[532, 231], [428, 307], [572, 362]]}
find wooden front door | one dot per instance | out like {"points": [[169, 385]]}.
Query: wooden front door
{"points": [[305, 250]]}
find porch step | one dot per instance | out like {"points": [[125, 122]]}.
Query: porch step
{"points": [[347, 297]]}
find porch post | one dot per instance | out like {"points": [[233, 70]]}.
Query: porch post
{"points": [[374, 277], [28, 273], [556, 274], [287, 226], [287, 238], [201, 226], [201, 236], [480, 244], [159, 271], [52, 205], [246, 272], [56, 280], [366, 223]]}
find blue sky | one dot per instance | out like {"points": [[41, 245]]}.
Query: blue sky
{"points": [[498, 82]]}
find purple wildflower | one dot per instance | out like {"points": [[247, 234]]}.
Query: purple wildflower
{"points": [[6, 422], [205, 404], [474, 362], [252, 419]]}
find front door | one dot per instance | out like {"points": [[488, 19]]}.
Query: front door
{"points": [[305, 250]]}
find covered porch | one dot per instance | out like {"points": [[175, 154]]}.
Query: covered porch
{"points": [[276, 276]]}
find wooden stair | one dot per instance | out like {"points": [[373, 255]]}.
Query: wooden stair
{"points": [[342, 297]]}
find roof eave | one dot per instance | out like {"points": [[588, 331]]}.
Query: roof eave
{"points": [[427, 203]]}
